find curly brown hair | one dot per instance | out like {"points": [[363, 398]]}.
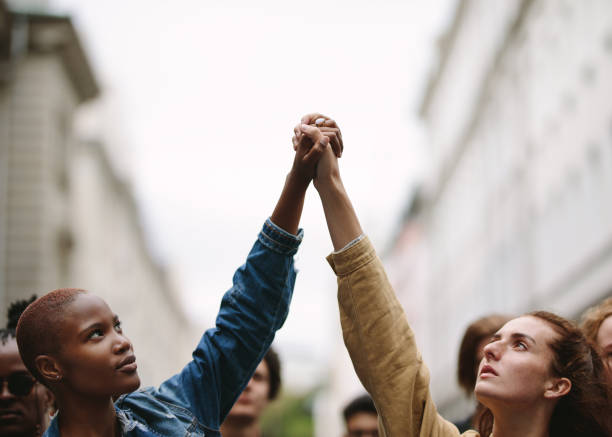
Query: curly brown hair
{"points": [[593, 318]]}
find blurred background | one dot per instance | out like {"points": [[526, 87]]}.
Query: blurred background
{"points": [[143, 144]]}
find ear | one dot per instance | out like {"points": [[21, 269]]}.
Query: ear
{"points": [[49, 368], [557, 388]]}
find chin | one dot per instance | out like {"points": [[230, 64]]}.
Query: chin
{"points": [[483, 394], [128, 386], [242, 412]]}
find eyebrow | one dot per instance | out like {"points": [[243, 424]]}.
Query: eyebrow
{"points": [[514, 336], [90, 327], [98, 325]]}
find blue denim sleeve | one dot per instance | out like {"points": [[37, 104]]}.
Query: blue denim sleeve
{"points": [[251, 312]]}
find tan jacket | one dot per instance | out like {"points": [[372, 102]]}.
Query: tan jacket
{"points": [[382, 347]]}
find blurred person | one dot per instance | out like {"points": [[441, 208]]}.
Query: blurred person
{"points": [[477, 335], [24, 403], [72, 342], [539, 376], [361, 417], [243, 419], [596, 324]]}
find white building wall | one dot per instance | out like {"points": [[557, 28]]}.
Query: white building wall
{"points": [[34, 105], [520, 118], [110, 258]]}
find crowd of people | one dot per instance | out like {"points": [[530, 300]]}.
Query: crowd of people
{"points": [[65, 356]]}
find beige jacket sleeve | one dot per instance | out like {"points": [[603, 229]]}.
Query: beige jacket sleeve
{"points": [[382, 347]]}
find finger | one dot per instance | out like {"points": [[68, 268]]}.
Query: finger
{"points": [[311, 132], [296, 137], [310, 118], [306, 119], [316, 151], [295, 142], [327, 122], [335, 142]]}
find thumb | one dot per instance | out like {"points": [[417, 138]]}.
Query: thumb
{"points": [[311, 132]]}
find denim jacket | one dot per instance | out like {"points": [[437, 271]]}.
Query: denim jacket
{"points": [[196, 401]]}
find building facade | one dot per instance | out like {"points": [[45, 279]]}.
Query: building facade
{"points": [[66, 218], [516, 214]]}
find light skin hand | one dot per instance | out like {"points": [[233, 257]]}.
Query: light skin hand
{"points": [[342, 221]]}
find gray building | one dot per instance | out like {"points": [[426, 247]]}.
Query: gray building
{"points": [[516, 214], [66, 218]]}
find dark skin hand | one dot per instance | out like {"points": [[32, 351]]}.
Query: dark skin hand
{"points": [[288, 210]]}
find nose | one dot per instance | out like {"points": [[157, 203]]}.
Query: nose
{"points": [[491, 351], [121, 345], [5, 394]]}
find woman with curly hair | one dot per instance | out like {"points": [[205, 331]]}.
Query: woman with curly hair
{"points": [[597, 327]]}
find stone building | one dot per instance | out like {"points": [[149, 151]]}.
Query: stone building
{"points": [[66, 218], [516, 213]]}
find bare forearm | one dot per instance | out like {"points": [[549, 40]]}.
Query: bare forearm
{"points": [[288, 210], [342, 221]]}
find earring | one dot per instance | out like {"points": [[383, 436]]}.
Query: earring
{"points": [[38, 431]]}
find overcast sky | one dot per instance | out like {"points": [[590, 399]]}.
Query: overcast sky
{"points": [[199, 99]]}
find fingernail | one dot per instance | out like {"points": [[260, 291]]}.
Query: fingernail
{"points": [[324, 141], [304, 126]]}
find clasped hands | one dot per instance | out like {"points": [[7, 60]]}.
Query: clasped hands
{"points": [[317, 141]]}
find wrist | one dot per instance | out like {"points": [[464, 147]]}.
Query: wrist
{"points": [[329, 183], [297, 181]]}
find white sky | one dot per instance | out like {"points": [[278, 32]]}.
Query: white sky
{"points": [[199, 102]]}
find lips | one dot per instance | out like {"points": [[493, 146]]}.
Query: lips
{"points": [[7, 414], [244, 400], [487, 371], [128, 364]]}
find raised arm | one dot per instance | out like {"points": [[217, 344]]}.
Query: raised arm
{"points": [[374, 326], [251, 311]]}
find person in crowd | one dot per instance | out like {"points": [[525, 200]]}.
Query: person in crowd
{"points": [[243, 419], [73, 343], [597, 327], [476, 337], [539, 377], [361, 417], [24, 403]]}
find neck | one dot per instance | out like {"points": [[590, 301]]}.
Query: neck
{"points": [[86, 417], [529, 421], [235, 428]]}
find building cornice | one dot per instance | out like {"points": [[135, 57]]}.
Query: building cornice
{"points": [[445, 47], [56, 34]]}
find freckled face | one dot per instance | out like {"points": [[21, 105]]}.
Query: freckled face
{"points": [[604, 341], [95, 357], [516, 363]]}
